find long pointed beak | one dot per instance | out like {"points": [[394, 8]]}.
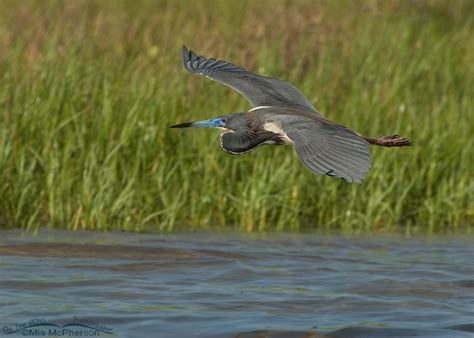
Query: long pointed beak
{"points": [[212, 123]]}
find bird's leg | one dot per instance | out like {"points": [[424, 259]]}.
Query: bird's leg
{"points": [[390, 141]]}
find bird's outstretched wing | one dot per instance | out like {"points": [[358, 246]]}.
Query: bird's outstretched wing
{"points": [[258, 90], [327, 148]]}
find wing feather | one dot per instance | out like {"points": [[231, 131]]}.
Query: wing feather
{"points": [[258, 90], [329, 149]]}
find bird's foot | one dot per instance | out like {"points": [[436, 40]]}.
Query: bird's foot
{"points": [[391, 141]]}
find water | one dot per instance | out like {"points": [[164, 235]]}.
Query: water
{"points": [[230, 285]]}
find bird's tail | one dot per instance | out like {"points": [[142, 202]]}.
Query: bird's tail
{"points": [[390, 141]]}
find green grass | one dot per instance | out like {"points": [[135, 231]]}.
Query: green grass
{"points": [[88, 88]]}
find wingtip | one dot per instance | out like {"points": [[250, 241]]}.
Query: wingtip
{"points": [[188, 56], [184, 55]]}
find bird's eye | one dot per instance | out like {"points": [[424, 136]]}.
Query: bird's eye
{"points": [[224, 120]]}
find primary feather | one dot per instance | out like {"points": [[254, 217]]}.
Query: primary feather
{"points": [[258, 90]]}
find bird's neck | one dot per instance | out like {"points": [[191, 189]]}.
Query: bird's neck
{"points": [[242, 141]]}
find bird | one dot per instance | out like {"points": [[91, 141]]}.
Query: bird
{"points": [[282, 115]]}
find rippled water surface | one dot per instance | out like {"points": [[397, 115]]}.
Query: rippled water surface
{"points": [[228, 285]]}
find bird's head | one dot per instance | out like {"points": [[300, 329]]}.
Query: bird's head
{"points": [[229, 122]]}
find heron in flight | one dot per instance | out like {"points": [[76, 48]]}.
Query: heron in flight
{"points": [[282, 115]]}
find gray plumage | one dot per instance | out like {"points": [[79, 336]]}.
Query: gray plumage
{"points": [[283, 115], [258, 90], [324, 147]]}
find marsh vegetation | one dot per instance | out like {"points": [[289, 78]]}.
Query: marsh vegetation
{"points": [[88, 88]]}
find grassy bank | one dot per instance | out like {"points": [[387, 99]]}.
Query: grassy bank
{"points": [[87, 89]]}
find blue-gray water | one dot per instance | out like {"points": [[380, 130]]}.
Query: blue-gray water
{"points": [[228, 285]]}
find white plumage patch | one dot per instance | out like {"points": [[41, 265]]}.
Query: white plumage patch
{"points": [[259, 107], [275, 127]]}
